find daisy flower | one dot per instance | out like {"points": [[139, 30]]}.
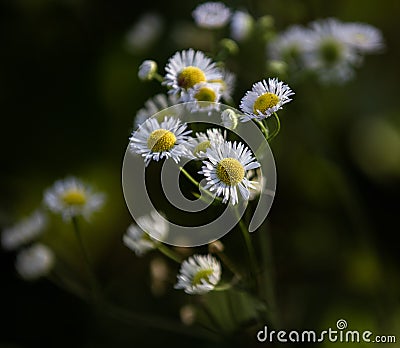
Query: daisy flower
{"points": [[227, 83], [205, 95], [24, 231], [330, 55], [71, 197], [199, 274], [137, 237], [34, 261], [211, 15], [154, 105], [188, 68], [225, 170], [363, 37], [200, 144], [241, 25], [154, 140], [265, 98]]}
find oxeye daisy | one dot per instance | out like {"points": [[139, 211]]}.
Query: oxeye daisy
{"points": [[211, 15], [188, 68], [34, 261], [153, 105], [71, 197], [24, 231], [225, 170], [265, 98], [202, 141], [206, 95], [199, 274], [137, 237], [363, 37], [155, 141]]}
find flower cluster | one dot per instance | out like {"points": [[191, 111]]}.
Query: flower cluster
{"points": [[328, 47]]}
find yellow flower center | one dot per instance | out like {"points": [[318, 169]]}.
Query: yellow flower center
{"points": [[331, 51], [190, 76], [230, 171], [202, 147], [221, 82], [74, 197], [206, 94], [265, 101], [161, 140], [200, 275]]}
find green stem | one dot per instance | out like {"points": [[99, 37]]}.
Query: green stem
{"points": [[158, 77], [263, 129], [169, 252], [93, 280], [277, 129]]}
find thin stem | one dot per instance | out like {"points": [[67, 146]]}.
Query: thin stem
{"points": [[158, 77], [277, 129], [264, 129], [93, 280], [168, 252], [229, 264]]}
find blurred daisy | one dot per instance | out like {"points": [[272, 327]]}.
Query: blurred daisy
{"points": [[137, 237], [363, 37], [229, 119], [211, 15], [330, 56], [188, 68], [24, 231], [241, 25], [225, 170], [71, 197], [199, 274], [227, 83], [144, 33], [34, 261], [154, 105], [291, 44], [202, 141], [155, 141], [264, 99]]}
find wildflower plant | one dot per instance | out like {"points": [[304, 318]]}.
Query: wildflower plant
{"points": [[209, 149]]}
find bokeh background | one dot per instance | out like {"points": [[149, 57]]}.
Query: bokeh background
{"points": [[69, 93]]}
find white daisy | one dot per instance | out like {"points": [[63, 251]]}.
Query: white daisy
{"points": [[330, 56], [24, 231], [137, 237], [206, 97], [153, 105], [225, 170], [155, 141], [241, 25], [188, 68], [199, 274], [363, 37], [227, 83], [202, 141], [34, 261], [264, 99], [211, 15], [71, 197], [291, 44], [229, 119]]}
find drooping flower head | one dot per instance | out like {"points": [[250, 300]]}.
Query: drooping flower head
{"points": [[225, 170], [265, 98], [71, 197], [188, 68], [34, 261], [137, 237], [155, 141], [199, 274], [211, 15]]}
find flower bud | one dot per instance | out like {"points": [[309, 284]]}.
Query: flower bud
{"points": [[147, 70]]}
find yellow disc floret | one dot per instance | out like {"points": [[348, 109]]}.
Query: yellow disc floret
{"points": [[161, 140], [230, 171], [200, 275], [206, 94], [202, 147], [190, 76], [74, 197], [265, 102]]}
